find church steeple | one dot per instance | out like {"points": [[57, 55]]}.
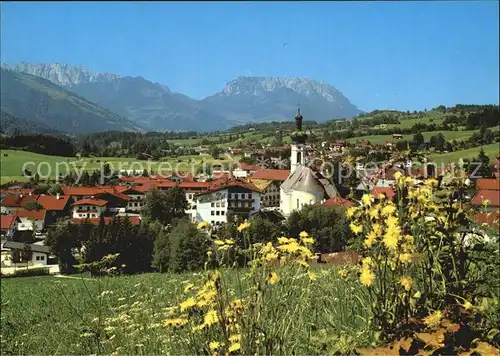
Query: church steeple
{"points": [[298, 156]]}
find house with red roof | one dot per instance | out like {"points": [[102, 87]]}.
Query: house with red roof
{"points": [[490, 199], [57, 206], [488, 184], [8, 226], [269, 181], [89, 208], [136, 198], [233, 196], [30, 219], [337, 202], [11, 202], [134, 220], [389, 192]]}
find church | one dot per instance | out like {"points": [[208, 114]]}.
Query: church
{"points": [[303, 186]]}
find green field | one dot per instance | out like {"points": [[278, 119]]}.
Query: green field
{"points": [[491, 151], [12, 162], [449, 135], [49, 315]]}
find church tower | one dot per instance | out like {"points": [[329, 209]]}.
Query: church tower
{"points": [[298, 155]]}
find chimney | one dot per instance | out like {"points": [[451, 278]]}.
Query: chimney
{"points": [[58, 196], [21, 195]]}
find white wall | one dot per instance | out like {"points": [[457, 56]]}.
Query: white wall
{"points": [[80, 211], [27, 224]]}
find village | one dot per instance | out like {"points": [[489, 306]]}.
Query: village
{"points": [[246, 191]]}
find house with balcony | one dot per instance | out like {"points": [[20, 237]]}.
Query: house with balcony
{"points": [[233, 197], [89, 208]]}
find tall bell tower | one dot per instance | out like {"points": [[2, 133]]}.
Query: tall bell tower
{"points": [[298, 147]]}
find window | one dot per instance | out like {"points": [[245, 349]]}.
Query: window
{"points": [[212, 212], [217, 213], [42, 258], [223, 212], [37, 258], [217, 205], [212, 205], [223, 205]]}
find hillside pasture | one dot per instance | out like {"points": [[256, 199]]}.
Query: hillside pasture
{"points": [[12, 162]]}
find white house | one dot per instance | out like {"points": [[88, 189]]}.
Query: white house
{"points": [[89, 208], [137, 199], [11, 253], [234, 196], [30, 219], [8, 226]]}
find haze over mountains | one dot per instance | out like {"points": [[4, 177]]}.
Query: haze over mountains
{"points": [[106, 101]]}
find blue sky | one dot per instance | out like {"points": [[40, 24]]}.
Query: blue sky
{"points": [[392, 55]]}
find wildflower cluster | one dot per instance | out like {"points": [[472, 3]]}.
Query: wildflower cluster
{"points": [[414, 257], [227, 321], [206, 309]]}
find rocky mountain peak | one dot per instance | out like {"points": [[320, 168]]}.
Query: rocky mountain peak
{"points": [[258, 86], [62, 74]]}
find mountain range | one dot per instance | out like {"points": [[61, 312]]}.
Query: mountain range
{"points": [[73, 99]]}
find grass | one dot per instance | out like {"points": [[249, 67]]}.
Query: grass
{"points": [[491, 151], [449, 136], [12, 162], [48, 315]]}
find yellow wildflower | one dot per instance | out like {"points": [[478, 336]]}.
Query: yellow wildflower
{"points": [[373, 213], [209, 253], [307, 240], [284, 240], [289, 247], [229, 242], [234, 347], [203, 225], [370, 239], [391, 238], [210, 318], [271, 256], [237, 304], [342, 273], [432, 182], [357, 229], [389, 209], [468, 305], [406, 283], [405, 257], [175, 322], [312, 275], [219, 242], [188, 287], [366, 277], [303, 234], [243, 226], [214, 345], [350, 212], [397, 175], [381, 196], [235, 338], [366, 199], [367, 261], [409, 181], [187, 304], [273, 278], [433, 320]]}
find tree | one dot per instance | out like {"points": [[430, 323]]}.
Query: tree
{"points": [[418, 139], [480, 166], [183, 249], [62, 240], [33, 205], [438, 142], [263, 230], [215, 151], [165, 206], [329, 227]]}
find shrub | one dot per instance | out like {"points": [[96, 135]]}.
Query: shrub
{"points": [[39, 271]]}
